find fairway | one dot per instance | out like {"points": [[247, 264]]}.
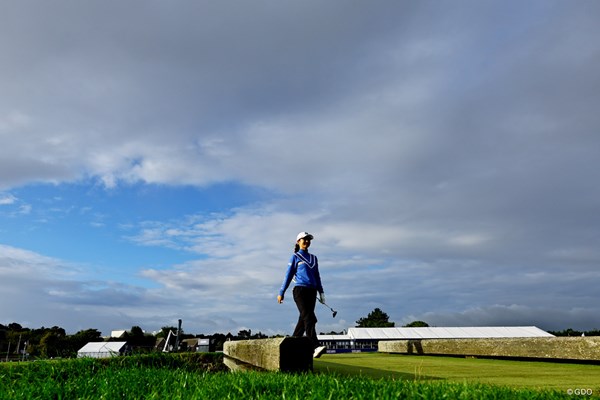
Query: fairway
{"points": [[516, 374]]}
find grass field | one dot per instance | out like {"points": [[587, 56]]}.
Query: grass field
{"points": [[516, 374], [196, 376]]}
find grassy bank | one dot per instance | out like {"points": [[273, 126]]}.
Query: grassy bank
{"points": [[178, 377]]}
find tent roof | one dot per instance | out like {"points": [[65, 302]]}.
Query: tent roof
{"points": [[334, 337], [477, 332], [467, 332], [102, 347]]}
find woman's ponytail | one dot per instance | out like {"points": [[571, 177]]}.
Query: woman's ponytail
{"points": [[296, 248]]}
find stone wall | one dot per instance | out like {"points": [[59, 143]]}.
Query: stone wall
{"points": [[562, 348], [290, 354]]}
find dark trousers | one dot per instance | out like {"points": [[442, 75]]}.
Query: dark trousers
{"points": [[306, 299]]}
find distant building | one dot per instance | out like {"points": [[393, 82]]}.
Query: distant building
{"points": [[189, 344], [200, 345], [160, 343], [205, 345], [103, 349], [117, 334], [366, 339]]}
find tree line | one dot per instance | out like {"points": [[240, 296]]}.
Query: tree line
{"points": [[17, 342], [573, 332], [379, 319], [20, 343]]}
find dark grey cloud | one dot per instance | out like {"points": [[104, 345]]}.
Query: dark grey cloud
{"points": [[189, 65]]}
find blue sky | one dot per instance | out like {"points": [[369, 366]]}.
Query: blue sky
{"points": [[157, 161]]}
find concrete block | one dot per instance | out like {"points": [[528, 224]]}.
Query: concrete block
{"points": [[560, 348], [289, 354]]}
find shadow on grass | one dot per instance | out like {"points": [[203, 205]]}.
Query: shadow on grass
{"points": [[328, 367]]}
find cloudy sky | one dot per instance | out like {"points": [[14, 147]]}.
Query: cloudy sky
{"points": [[157, 160]]}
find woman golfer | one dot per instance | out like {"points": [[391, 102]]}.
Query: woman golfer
{"points": [[303, 269]]}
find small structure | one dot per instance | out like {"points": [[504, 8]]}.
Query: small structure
{"points": [[189, 344], [102, 349], [160, 343], [204, 346]]}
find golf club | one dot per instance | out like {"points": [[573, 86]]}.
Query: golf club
{"points": [[332, 310]]}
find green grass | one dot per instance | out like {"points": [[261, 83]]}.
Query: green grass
{"points": [[202, 377], [516, 374]]}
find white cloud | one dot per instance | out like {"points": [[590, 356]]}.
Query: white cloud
{"points": [[7, 199]]}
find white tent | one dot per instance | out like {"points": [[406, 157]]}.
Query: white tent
{"points": [[102, 349], [467, 332], [367, 339]]}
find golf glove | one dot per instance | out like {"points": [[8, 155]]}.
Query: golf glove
{"points": [[322, 297]]}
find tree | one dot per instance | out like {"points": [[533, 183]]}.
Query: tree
{"points": [[88, 335], [164, 331], [3, 339], [137, 339], [259, 335], [73, 343], [417, 324], [376, 319], [244, 334], [50, 344], [219, 339], [13, 326]]}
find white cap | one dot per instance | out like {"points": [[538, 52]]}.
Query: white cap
{"points": [[303, 235]]}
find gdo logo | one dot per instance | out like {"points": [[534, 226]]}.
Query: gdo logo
{"points": [[580, 392]]}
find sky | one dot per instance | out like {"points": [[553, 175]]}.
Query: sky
{"points": [[157, 160]]}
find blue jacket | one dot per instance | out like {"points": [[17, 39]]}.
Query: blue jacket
{"points": [[303, 269]]}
